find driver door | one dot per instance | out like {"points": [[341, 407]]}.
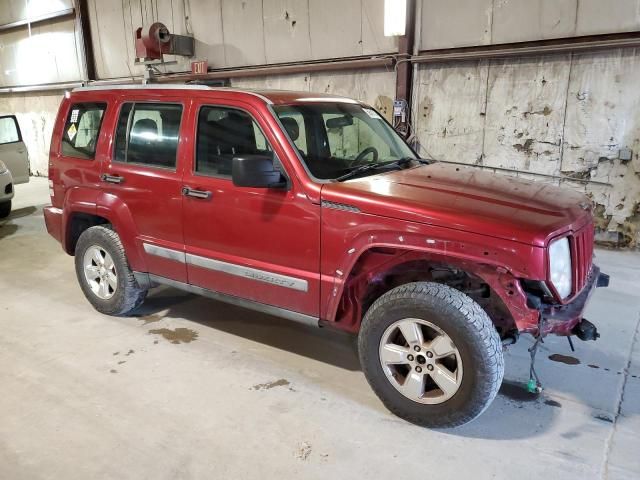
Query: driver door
{"points": [[254, 243]]}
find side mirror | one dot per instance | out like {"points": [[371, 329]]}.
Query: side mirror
{"points": [[256, 171]]}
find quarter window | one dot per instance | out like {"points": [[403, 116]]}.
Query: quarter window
{"points": [[9, 131], [81, 130], [148, 133], [224, 133]]}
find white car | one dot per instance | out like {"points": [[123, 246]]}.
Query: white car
{"points": [[14, 161]]}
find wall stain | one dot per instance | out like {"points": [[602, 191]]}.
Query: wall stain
{"points": [[177, 336], [269, 385], [525, 147]]}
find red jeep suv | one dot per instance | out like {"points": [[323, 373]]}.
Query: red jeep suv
{"points": [[310, 207]]}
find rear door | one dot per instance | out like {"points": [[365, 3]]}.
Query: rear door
{"points": [[12, 149], [143, 183]]}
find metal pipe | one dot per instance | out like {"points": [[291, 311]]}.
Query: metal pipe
{"points": [[40, 88], [520, 49], [384, 61]]}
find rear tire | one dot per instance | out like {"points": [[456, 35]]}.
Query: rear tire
{"points": [[431, 354], [5, 209], [104, 274]]}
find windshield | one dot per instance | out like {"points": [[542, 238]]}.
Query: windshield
{"points": [[335, 139]]}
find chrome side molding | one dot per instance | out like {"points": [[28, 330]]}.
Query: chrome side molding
{"points": [[148, 280], [248, 272], [256, 274]]}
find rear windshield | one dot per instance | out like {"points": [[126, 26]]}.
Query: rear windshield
{"points": [[82, 129], [9, 130]]}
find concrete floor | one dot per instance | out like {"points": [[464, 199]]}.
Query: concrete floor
{"points": [[196, 389]]}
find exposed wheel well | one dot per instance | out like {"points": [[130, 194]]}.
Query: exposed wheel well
{"points": [[379, 270], [78, 223]]}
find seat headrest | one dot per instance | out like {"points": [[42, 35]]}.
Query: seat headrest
{"points": [[145, 129], [292, 127]]}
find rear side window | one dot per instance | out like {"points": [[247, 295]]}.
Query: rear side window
{"points": [[224, 133], [81, 130], [147, 134], [9, 130]]}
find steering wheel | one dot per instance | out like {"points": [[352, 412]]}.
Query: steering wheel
{"points": [[359, 159]]}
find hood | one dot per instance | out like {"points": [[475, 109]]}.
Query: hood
{"points": [[465, 198]]}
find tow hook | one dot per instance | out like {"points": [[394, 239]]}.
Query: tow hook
{"points": [[585, 330]]}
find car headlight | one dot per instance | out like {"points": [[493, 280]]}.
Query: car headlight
{"points": [[3, 168], [560, 266]]}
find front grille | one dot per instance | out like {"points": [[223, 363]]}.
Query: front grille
{"points": [[582, 257]]}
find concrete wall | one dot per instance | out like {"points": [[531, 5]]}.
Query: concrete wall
{"points": [[36, 115], [231, 33], [564, 115]]}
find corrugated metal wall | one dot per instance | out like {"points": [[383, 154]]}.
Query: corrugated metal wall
{"points": [[233, 33]]}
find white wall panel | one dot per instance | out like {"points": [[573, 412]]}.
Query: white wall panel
{"points": [[455, 23], [602, 16], [286, 30], [243, 32]]}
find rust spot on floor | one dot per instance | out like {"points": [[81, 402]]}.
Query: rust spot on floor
{"points": [[177, 336], [130, 352], [113, 371], [591, 365], [566, 359], [269, 385], [152, 318]]}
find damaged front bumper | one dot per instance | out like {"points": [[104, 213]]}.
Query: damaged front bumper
{"points": [[567, 319]]}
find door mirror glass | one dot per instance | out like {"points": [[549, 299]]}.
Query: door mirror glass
{"points": [[256, 171]]}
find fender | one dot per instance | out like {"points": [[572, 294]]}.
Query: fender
{"points": [[117, 212], [498, 265], [76, 200]]}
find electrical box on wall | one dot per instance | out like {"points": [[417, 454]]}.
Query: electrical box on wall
{"points": [[400, 114]]}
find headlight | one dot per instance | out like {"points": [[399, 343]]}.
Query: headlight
{"points": [[3, 168], [560, 265]]}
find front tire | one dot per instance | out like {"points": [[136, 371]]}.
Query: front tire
{"points": [[5, 209], [431, 354], [104, 274]]}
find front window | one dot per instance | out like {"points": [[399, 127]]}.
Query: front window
{"points": [[335, 139], [9, 131]]}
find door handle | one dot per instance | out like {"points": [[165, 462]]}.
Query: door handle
{"points": [[111, 178], [190, 192]]}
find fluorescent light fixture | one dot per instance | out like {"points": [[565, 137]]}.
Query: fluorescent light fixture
{"points": [[395, 17]]}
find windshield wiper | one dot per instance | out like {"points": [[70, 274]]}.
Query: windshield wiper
{"points": [[380, 166]]}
